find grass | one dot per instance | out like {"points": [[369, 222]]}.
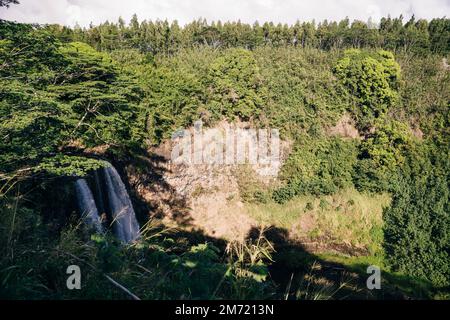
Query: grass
{"points": [[162, 265], [347, 217], [391, 281], [312, 286]]}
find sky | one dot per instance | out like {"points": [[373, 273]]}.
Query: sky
{"points": [[84, 12]]}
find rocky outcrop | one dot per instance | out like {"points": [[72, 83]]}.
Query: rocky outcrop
{"points": [[201, 196], [345, 128]]}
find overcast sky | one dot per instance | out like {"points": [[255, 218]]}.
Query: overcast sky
{"points": [[83, 12]]}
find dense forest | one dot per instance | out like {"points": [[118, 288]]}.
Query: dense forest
{"points": [[71, 98], [162, 37]]}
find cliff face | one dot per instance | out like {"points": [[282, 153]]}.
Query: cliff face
{"points": [[227, 201], [203, 196]]}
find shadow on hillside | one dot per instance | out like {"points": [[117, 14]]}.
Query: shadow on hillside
{"points": [[300, 274], [296, 272], [147, 175], [142, 171]]}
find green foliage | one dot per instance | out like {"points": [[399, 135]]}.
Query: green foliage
{"points": [[373, 79], [439, 30], [162, 266], [303, 94], [62, 165], [55, 95], [172, 102], [248, 272], [164, 38], [28, 53], [417, 224], [381, 154], [425, 95], [287, 89], [196, 272], [322, 167], [101, 98], [60, 96], [235, 88], [251, 189], [33, 124]]}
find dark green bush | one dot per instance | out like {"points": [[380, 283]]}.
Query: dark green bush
{"points": [[381, 154], [372, 77], [321, 166], [235, 86], [417, 224]]}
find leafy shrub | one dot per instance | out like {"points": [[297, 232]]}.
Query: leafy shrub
{"points": [[236, 87], [62, 165], [251, 189], [320, 167], [373, 79], [381, 154], [55, 95], [417, 224], [173, 100], [303, 94]]}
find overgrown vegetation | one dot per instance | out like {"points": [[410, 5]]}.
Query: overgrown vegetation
{"points": [[161, 37], [72, 98]]}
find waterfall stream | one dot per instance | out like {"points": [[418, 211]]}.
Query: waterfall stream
{"points": [[87, 206], [125, 224], [119, 206], [98, 191]]}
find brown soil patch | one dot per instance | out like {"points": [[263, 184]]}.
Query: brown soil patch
{"points": [[202, 197], [345, 128]]}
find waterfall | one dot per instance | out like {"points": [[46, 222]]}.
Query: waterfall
{"points": [[87, 206], [98, 194], [125, 224], [116, 202]]}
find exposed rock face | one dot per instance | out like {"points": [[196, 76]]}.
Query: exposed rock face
{"points": [[200, 196], [445, 64], [345, 128], [416, 132]]}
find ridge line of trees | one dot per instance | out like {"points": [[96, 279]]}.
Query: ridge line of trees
{"points": [[162, 37]]}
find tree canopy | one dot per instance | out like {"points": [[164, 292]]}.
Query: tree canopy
{"points": [[7, 3]]}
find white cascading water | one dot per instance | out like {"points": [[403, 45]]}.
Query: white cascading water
{"points": [[125, 224], [87, 205]]}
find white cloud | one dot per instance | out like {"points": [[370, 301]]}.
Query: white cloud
{"points": [[83, 12]]}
